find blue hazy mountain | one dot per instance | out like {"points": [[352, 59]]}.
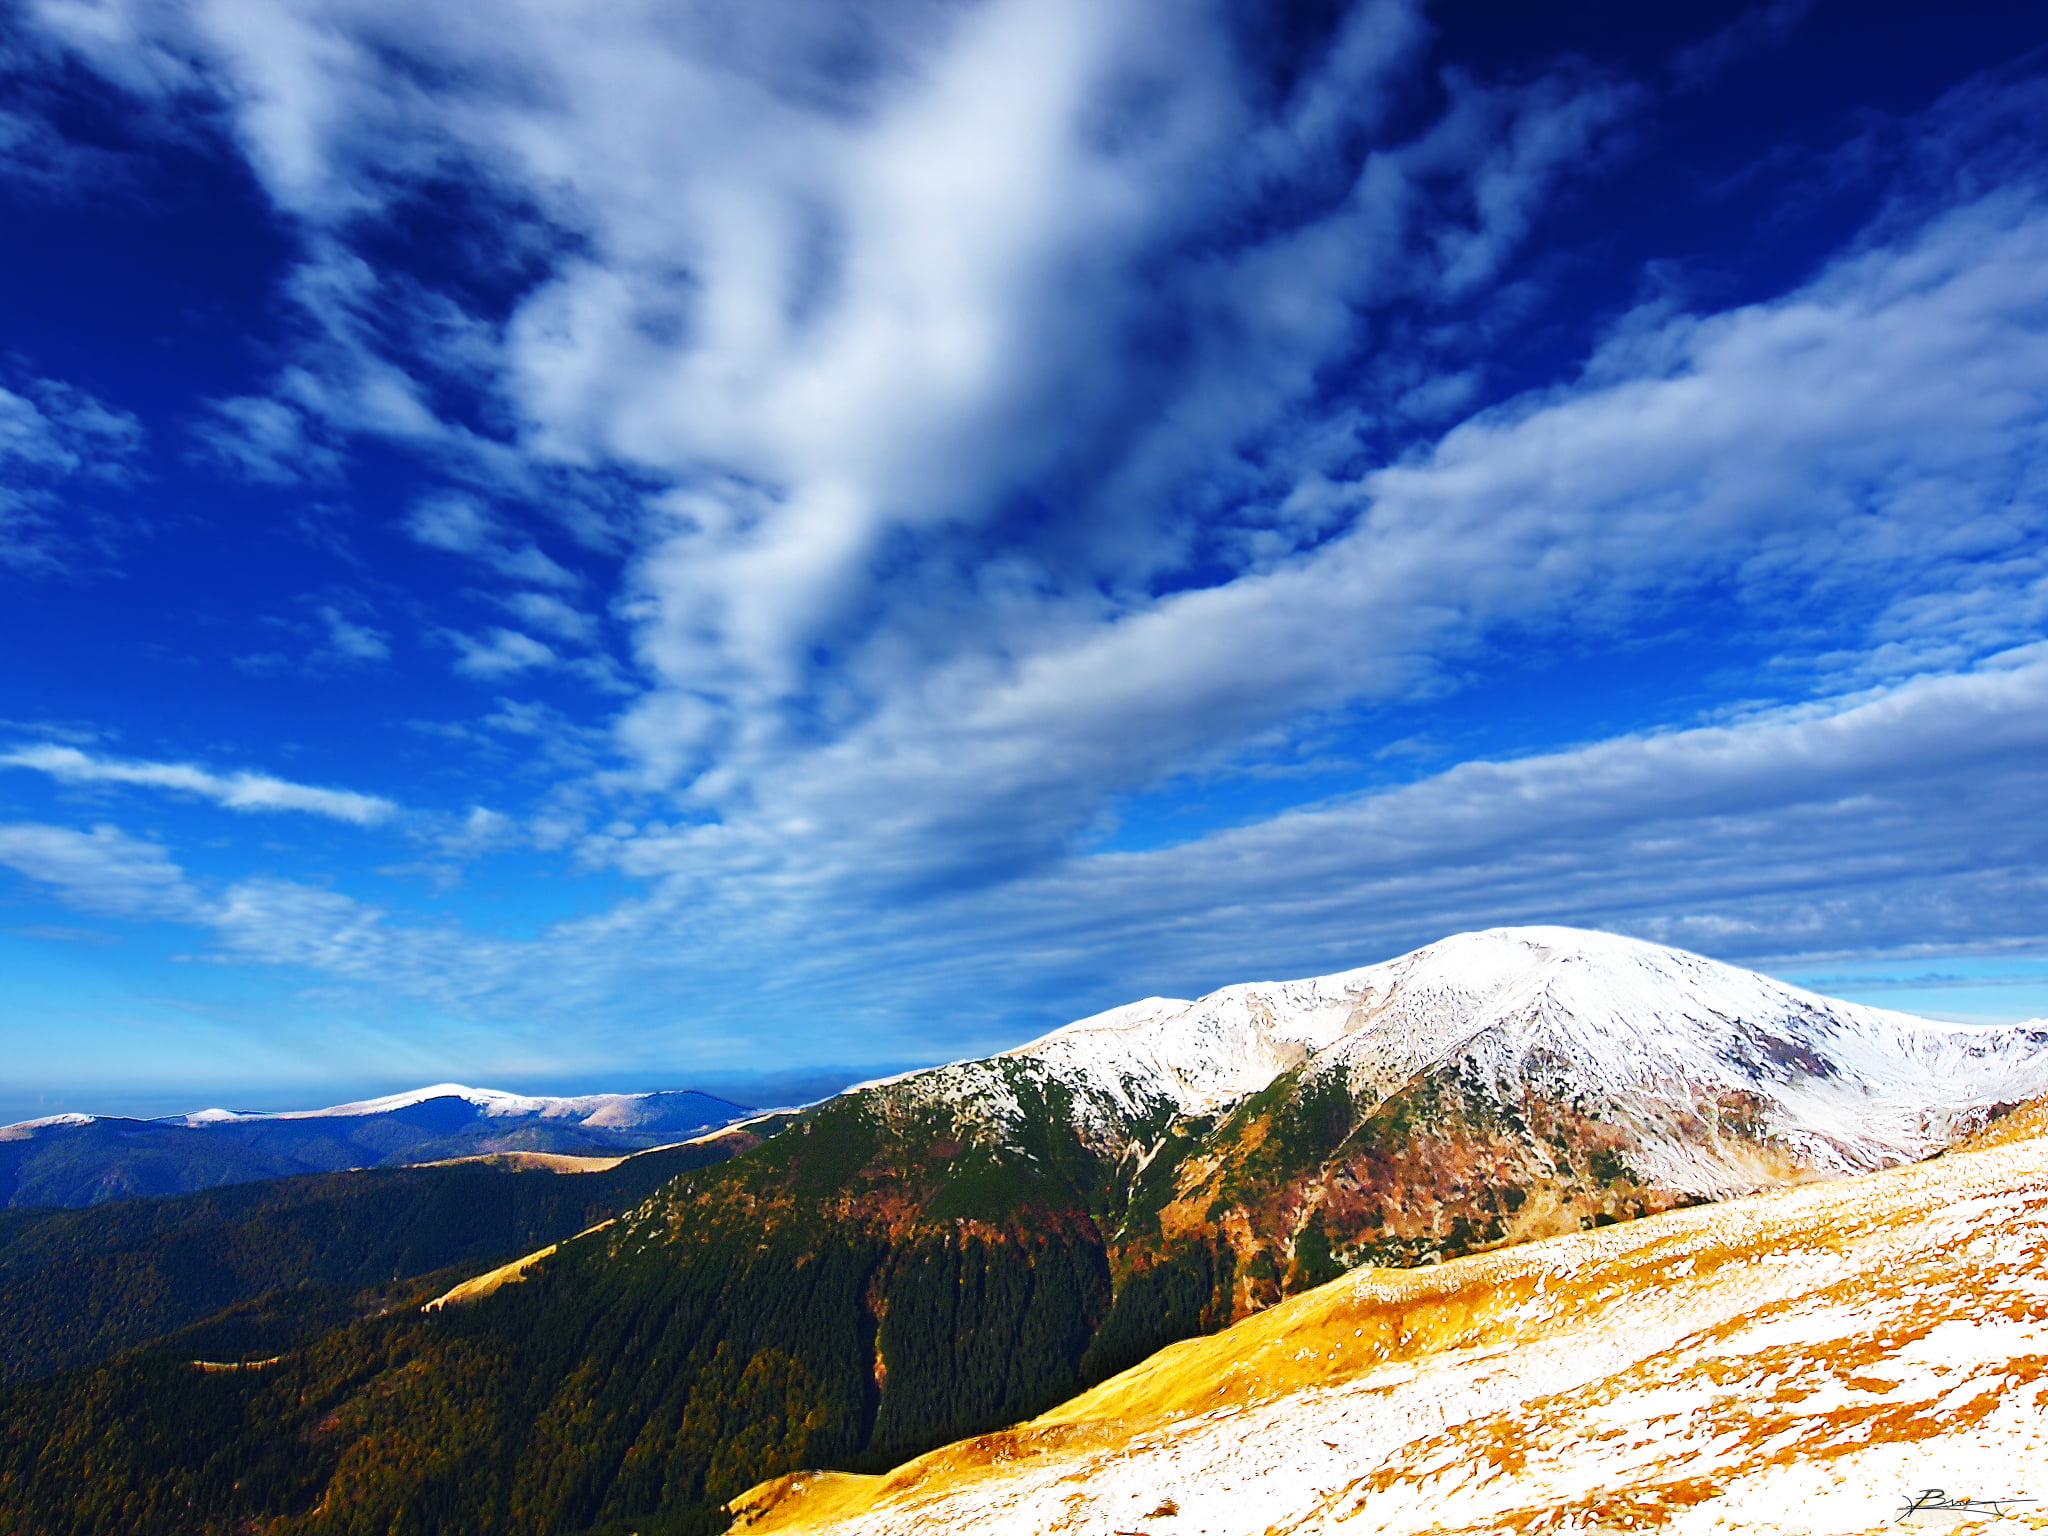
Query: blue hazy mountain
{"points": [[76, 1159]]}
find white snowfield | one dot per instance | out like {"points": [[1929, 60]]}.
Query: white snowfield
{"points": [[1651, 1037], [1803, 1361]]}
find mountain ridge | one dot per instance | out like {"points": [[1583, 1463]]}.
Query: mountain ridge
{"points": [[1560, 1078], [80, 1159]]}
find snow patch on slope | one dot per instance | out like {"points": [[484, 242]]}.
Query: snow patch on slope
{"points": [[494, 1102]]}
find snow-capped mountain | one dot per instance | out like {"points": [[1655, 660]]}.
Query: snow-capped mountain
{"points": [[1485, 1090], [681, 1109], [957, 1250], [77, 1159], [1638, 1032]]}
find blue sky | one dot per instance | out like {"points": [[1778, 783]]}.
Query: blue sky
{"points": [[588, 545]]}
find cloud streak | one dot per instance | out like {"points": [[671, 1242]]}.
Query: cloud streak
{"points": [[1863, 436], [235, 791], [103, 870], [51, 435], [1900, 820]]}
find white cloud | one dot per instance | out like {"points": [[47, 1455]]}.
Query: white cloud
{"points": [[1883, 431], [51, 433], [464, 526], [265, 440], [1006, 455], [56, 427], [236, 791], [1841, 826], [865, 289], [501, 653], [545, 611], [1902, 819], [104, 870], [481, 831], [352, 641]]}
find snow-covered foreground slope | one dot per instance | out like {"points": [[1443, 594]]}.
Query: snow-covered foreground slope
{"points": [[1802, 1361], [1668, 1043]]}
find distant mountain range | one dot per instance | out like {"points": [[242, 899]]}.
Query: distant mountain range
{"points": [[73, 1159], [249, 1270], [948, 1252]]}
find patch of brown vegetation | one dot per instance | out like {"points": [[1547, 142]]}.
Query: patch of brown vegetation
{"points": [[2021, 1123]]}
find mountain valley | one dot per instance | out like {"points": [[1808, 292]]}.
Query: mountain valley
{"points": [[254, 1268]]}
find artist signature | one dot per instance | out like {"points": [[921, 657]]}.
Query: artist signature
{"points": [[1935, 1501]]}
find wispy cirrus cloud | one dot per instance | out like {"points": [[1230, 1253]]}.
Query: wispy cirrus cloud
{"points": [[1899, 820], [351, 641], [265, 439], [103, 870], [52, 434], [1866, 453], [462, 525], [922, 263], [236, 791], [501, 653]]}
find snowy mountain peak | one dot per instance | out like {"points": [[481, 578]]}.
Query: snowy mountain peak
{"points": [[1623, 1029]]}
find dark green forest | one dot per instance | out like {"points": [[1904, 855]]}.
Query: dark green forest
{"points": [[847, 1294], [254, 1268]]}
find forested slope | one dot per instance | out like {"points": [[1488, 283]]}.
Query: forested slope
{"points": [[902, 1267], [287, 1257], [839, 1294]]}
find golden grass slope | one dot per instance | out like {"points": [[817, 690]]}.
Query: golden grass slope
{"points": [[479, 1286], [476, 1287], [573, 1162], [525, 1162], [1793, 1362]]}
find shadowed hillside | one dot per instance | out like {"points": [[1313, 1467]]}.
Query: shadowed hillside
{"points": [[288, 1258]]}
